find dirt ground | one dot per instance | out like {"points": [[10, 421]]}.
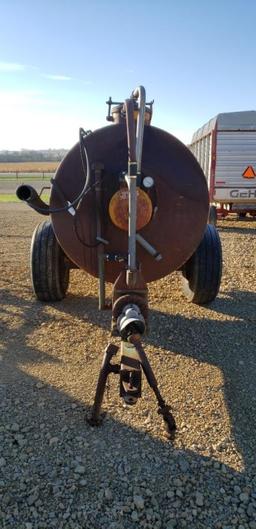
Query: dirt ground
{"points": [[205, 360]]}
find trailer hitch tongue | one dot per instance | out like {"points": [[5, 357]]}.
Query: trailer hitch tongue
{"points": [[130, 321]]}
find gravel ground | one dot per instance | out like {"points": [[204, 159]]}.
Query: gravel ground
{"points": [[57, 472]]}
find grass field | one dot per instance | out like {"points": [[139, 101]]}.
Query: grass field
{"points": [[13, 174], [28, 167], [10, 197]]}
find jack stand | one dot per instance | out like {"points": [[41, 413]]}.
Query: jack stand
{"points": [[130, 386]]}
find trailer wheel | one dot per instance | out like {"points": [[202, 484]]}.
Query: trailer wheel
{"points": [[49, 265], [212, 218], [242, 215], [202, 272]]}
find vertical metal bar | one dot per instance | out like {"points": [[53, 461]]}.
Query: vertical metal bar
{"points": [[98, 168], [140, 94], [102, 290], [131, 183], [132, 222], [135, 144]]}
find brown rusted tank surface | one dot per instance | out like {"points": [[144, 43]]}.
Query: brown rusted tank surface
{"points": [[179, 200]]}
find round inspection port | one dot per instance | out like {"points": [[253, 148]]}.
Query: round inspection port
{"points": [[119, 209]]}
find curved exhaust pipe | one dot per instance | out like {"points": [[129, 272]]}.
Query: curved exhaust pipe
{"points": [[29, 194]]}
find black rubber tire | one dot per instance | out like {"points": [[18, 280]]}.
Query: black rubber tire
{"points": [[202, 272], [212, 218], [49, 265], [242, 215]]}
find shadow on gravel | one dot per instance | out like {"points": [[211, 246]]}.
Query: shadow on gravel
{"points": [[238, 303], [229, 345], [14, 348], [57, 472], [241, 231]]}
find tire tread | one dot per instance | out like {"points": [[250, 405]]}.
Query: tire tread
{"points": [[49, 271], [202, 272]]}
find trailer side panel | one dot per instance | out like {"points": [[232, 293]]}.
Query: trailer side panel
{"points": [[225, 147], [236, 150]]}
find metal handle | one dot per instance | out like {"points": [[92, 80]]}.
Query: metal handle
{"points": [[131, 133]]}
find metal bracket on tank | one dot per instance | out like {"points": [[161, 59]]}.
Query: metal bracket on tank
{"points": [[120, 108]]}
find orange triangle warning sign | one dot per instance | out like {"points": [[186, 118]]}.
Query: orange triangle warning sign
{"points": [[249, 172]]}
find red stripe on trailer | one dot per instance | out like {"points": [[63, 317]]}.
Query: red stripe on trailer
{"points": [[213, 162]]}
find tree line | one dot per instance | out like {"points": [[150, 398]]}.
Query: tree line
{"points": [[27, 155]]}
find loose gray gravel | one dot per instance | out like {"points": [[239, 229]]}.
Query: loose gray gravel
{"points": [[57, 472]]}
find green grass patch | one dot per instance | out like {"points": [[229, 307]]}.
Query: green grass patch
{"points": [[6, 197]]}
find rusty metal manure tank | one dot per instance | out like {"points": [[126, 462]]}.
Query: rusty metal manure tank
{"points": [[129, 205]]}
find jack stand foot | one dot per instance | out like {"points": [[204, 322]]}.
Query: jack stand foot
{"points": [[169, 421], [95, 422]]}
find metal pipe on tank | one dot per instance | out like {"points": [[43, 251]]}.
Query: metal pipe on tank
{"points": [[148, 247], [140, 94], [135, 144], [131, 180], [29, 195]]}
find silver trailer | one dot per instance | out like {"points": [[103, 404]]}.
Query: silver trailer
{"points": [[225, 147]]}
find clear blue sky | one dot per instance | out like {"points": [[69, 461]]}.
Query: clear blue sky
{"points": [[61, 60]]}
